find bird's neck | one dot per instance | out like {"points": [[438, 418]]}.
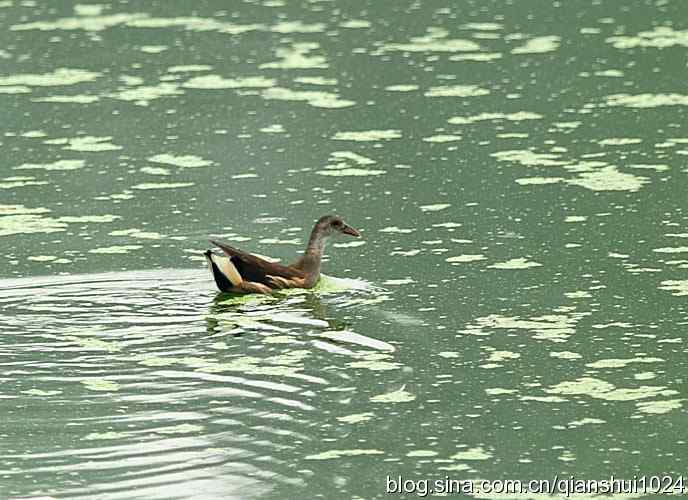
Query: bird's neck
{"points": [[312, 257]]}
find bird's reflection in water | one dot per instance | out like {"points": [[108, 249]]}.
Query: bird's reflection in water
{"points": [[319, 310], [237, 315]]}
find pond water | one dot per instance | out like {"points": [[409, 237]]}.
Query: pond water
{"points": [[516, 308]]}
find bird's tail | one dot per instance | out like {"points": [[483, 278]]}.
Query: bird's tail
{"points": [[223, 270]]}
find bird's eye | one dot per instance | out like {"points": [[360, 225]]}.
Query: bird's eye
{"points": [[337, 223]]}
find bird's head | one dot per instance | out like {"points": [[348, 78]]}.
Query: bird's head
{"points": [[329, 225]]}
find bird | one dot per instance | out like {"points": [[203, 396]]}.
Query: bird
{"points": [[241, 272]]}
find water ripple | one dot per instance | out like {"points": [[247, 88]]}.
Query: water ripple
{"points": [[151, 382]]}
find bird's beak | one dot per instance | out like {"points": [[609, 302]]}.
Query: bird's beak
{"points": [[351, 231]]}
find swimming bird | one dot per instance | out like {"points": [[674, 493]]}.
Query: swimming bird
{"points": [[241, 272]]}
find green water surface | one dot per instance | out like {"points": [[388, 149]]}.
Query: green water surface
{"points": [[516, 308]]}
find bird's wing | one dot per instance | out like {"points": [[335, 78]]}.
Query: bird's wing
{"points": [[253, 268]]}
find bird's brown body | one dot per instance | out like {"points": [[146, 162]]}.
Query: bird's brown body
{"points": [[241, 272]]}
